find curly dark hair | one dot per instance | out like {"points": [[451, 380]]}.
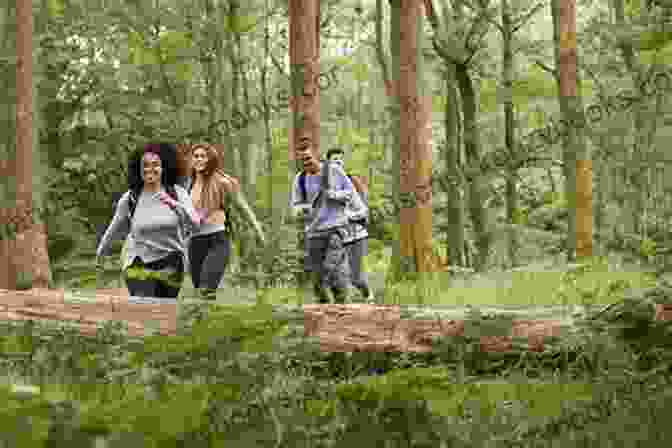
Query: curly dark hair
{"points": [[167, 152]]}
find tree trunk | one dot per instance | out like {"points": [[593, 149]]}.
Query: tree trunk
{"points": [[512, 213], [243, 146], [304, 59], [305, 68], [390, 118], [576, 151], [24, 261], [274, 167], [477, 180], [455, 207], [637, 153], [602, 182], [415, 163]]}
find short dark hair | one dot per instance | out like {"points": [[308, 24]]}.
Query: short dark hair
{"points": [[333, 151]]}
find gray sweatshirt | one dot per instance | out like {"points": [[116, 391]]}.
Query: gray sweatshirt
{"points": [[331, 213], [156, 230]]}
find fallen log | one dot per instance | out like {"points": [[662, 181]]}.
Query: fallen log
{"points": [[339, 328]]}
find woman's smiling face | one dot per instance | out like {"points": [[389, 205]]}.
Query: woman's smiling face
{"points": [[199, 159], [151, 168]]}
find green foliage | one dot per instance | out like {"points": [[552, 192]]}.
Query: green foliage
{"points": [[241, 23], [228, 375], [56, 8], [24, 280]]}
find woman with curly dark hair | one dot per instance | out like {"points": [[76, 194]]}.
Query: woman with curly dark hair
{"points": [[214, 193], [156, 216]]}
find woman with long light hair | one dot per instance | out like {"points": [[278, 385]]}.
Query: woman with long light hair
{"points": [[214, 193]]}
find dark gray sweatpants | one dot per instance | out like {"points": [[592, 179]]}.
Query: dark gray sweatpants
{"points": [[327, 262], [209, 256]]}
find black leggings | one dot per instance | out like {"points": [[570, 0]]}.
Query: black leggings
{"points": [[140, 287], [208, 258]]}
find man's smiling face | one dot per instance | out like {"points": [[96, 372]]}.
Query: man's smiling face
{"points": [[310, 163]]}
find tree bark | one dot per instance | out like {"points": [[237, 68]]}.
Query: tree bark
{"points": [[304, 59], [576, 151], [274, 179], [304, 52], [24, 142], [637, 165], [24, 261], [476, 178], [455, 209], [512, 213], [415, 163]]}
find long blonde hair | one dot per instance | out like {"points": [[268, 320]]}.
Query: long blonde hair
{"points": [[216, 182]]}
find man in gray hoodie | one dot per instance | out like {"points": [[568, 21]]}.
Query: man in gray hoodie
{"points": [[322, 195]]}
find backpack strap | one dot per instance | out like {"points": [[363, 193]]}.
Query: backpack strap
{"points": [[132, 204], [302, 186]]}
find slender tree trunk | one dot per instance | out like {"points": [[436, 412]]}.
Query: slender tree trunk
{"points": [[277, 213], [637, 153], [512, 213], [455, 209], [415, 163], [477, 180], [390, 117], [568, 158], [576, 151], [243, 139], [602, 178]]}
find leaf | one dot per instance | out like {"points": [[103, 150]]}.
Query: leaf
{"points": [[174, 43], [241, 23], [55, 8], [138, 52], [184, 72], [361, 71]]}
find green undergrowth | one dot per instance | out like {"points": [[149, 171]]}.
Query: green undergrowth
{"points": [[596, 283], [247, 376]]}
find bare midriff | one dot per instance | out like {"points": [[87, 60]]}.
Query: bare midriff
{"points": [[214, 217]]}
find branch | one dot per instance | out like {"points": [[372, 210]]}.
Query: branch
{"points": [[546, 68], [439, 45], [522, 20], [593, 76], [278, 65], [431, 14], [482, 15], [380, 49]]}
